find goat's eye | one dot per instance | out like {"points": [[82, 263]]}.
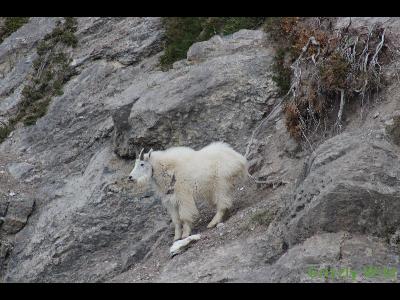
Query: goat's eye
{"points": [[142, 164]]}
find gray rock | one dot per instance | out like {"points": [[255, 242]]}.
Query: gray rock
{"points": [[17, 52], [331, 257], [352, 183], [19, 170], [76, 230], [220, 98], [247, 41], [80, 251], [393, 129], [19, 209], [5, 250], [132, 39]]}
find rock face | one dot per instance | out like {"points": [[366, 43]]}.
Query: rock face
{"points": [[221, 94], [18, 212], [352, 183], [333, 257], [68, 214], [17, 52], [75, 168], [392, 129], [19, 170]]}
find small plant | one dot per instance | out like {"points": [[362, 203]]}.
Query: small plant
{"points": [[5, 130], [260, 218], [292, 117], [181, 33], [280, 28], [10, 25], [281, 72], [334, 73]]}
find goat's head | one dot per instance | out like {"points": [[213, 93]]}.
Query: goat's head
{"points": [[142, 171]]}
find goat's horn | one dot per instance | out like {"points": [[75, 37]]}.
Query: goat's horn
{"points": [[141, 154], [151, 150]]}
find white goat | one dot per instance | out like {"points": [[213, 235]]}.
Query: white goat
{"points": [[182, 175]]}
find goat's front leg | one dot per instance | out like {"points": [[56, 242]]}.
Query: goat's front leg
{"points": [[174, 213], [187, 212], [177, 223], [178, 231], [187, 229]]}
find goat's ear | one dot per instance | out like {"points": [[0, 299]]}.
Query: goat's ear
{"points": [[146, 156]]}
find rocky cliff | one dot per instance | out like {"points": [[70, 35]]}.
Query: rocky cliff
{"points": [[68, 214]]}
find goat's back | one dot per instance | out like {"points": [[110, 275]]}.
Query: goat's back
{"points": [[217, 160]]}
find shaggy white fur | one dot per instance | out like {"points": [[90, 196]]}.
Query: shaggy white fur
{"points": [[182, 175]]}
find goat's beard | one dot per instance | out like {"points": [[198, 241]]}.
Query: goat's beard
{"points": [[143, 181]]}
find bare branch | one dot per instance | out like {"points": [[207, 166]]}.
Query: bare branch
{"points": [[255, 131], [378, 48], [340, 113]]}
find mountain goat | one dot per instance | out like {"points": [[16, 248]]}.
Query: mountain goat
{"points": [[182, 175]]}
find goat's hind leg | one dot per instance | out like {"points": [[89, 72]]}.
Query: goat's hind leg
{"points": [[223, 203], [219, 216]]}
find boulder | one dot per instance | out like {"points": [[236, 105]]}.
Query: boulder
{"points": [[222, 97], [19, 209], [352, 183]]}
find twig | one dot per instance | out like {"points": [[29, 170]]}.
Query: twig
{"points": [[272, 184], [378, 48], [305, 137], [259, 126], [348, 26], [339, 117], [43, 65], [365, 50]]}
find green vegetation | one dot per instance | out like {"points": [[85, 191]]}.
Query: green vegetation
{"points": [[4, 131], [261, 218], [51, 70], [281, 72], [264, 217], [182, 32], [11, 24]]}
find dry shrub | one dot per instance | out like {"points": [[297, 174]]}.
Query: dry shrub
{"points": [[334, 73], [327, 69], [292, 119]]}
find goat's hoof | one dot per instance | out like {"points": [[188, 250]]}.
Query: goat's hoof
{"points": [[184, 236], [211, 225]]}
